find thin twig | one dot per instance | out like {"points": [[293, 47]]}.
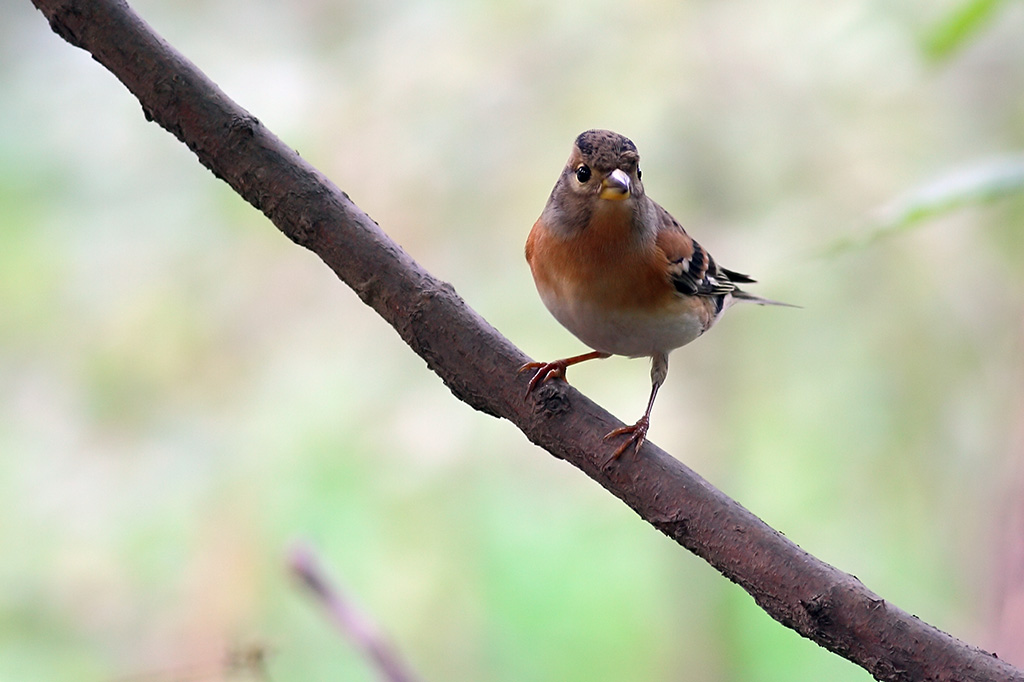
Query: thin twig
{"points": [[355, 625]]}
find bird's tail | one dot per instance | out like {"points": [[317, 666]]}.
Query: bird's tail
{"points": [[741, 295]]}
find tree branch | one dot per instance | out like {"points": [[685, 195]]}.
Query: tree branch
{"points": [[479, 365]]}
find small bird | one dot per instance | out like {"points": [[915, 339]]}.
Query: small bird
{"points": [[619, 272]]}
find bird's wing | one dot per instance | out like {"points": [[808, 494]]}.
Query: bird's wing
{"points": [[693, 270]]}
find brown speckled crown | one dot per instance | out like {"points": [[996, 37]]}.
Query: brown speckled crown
{"points": [[604, 150]]}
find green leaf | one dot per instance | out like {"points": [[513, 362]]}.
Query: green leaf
{"points": [[953, 32], [982, 182]]}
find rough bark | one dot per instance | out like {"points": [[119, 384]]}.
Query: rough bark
{"points": [[479, 365]]}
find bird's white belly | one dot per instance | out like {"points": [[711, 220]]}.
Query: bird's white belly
{"points": [[629, 333]]}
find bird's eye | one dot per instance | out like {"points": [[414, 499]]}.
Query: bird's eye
{"points": [[639, 173], [583, 173]]}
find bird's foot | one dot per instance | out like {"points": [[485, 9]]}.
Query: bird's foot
{"points": [[545, 371], [637, 434], [556, 369]]}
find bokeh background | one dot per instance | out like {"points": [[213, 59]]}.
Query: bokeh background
{"points": [[184, 393]]}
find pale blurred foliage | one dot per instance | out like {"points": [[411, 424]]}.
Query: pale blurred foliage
{"points": [[183, 391]]}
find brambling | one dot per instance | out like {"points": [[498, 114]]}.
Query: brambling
{"points": [[619, 272]]}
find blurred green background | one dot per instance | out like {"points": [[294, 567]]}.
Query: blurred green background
{"points": [[184, 393]]}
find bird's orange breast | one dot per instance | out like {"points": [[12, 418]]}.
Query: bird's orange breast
{"points": [[603, 264]]}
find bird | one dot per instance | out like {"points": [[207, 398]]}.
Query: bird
{"points": [[619, 272]]}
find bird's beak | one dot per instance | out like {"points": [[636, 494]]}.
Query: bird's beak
{"points": [[615, 186]]}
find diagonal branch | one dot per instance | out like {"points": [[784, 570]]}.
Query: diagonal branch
{"points": [[479, 365]]}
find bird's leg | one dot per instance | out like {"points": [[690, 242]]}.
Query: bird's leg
{"points": [[638, 432], [556, 369]]}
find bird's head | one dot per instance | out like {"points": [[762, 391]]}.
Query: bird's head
{"points": [[602, 175]]}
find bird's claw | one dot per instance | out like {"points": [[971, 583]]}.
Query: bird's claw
{"points": [[637, 434], [545, 371]]}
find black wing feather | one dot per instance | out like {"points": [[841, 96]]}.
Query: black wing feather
{"points": [[699, 275]]}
